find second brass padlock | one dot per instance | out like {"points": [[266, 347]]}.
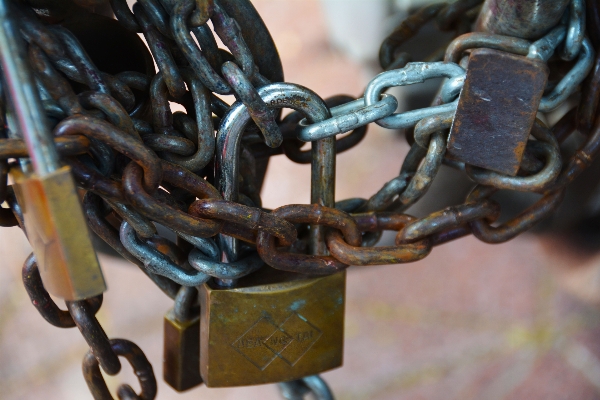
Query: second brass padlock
{"points": [[181, 367], [273, 326]]}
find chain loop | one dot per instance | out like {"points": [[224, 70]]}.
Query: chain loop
{"points": [[141, 367]]}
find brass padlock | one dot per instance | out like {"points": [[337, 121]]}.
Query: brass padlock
{"points": [[181, 356], [57, 231], [273, 326], [52, 213]]}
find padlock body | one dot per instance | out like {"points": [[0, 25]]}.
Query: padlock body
{"points": [[274, 326], [496, 110], [181, 356], [58, 233]]}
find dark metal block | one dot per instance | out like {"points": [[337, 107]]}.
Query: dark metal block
{"points": [[496, 110]]}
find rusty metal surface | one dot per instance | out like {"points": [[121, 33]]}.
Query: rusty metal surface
{"points": [[526, 19], [144, 166], [496, 110]]}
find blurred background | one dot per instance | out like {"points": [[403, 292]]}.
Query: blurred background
{"points": [[520, 320]]}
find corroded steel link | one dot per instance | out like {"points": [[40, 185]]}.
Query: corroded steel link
{"points": [[314, 215], [590, 97], [413, 73], [172, 144], [42, 301], [187, 180], [450, 234], [203, 138], [428, 126], [354, 255], [94, 335], [348, 117], [260, 113], [157, 262], [208, 44], [55, 84], [91, 179], [209, 77], [519, 224], [138, 361], [124, 15], [113, 110], [384, 198], [292, 147], [230, 33], [92, 206], [250, 217], [135, 80], [143, 226], [166, 247], [161, 212], [579, 161], [35, 32], [569, 83], [118, 140], [476, 40], [161, 53], [202, 13], [92, 76], [157, 16], [575, 30], [233, 270], [423, 175], [546, 147], [66, 146], [407, 29], [448, 218]]}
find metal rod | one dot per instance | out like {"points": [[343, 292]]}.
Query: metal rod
{"points": [[21, 90]]}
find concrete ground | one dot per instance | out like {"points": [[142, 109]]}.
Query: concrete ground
{"points": [[472, 321]]}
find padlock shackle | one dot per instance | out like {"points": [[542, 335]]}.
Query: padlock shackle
{"points": [[30, 117], [229, 135]]}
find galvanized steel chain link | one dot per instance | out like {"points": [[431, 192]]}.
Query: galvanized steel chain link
{"points": [[199, 173]]}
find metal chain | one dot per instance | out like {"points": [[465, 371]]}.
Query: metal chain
{"points": [[141, 164]]}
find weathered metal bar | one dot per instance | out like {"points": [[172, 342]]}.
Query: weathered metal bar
{"points": [[527, 19]]}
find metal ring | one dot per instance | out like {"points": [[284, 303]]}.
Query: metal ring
{"points": [[347, 117], [569, 83], [409, 75], [575, 30], [156, 262]]}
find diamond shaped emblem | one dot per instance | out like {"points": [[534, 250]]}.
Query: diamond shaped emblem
{"points": [[252, 343], [265, 341], [304, 335]]}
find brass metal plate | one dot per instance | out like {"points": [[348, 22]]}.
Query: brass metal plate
{"points": [[271, 328], [496, 110], [58, 233], [181, 356]]}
